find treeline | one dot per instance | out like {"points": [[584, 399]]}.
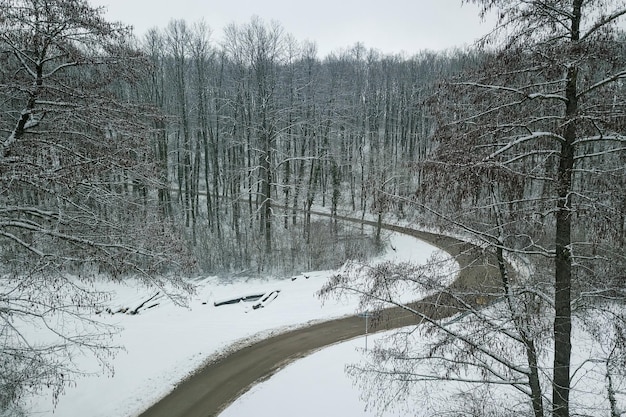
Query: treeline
{"points": [[258, 130]]}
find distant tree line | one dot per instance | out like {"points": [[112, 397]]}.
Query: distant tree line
{"points": [[258, 130]]}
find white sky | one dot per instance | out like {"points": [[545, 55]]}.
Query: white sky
{"points": [[391, 26]]}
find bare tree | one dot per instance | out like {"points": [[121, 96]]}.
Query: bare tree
{"points": [[75, 173], [543, 121], [259, 50], [529, 162], [152, 91]]}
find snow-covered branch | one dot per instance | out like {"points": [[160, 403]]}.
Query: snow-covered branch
{"points": [[602, 83], [615, 137], [523, 139], [602, 22], [531, 96], [602, 153], [22, 243]]}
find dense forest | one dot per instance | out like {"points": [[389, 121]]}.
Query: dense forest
{"points": [[259, 131], [175, 154]]}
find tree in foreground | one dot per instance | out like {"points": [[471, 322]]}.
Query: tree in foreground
{"points": [[530, 165], [76, 176]]}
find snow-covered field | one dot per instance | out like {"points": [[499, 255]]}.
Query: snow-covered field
{"points": [[163, 344]]}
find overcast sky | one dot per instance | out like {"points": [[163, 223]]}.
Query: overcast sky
{"points": [[391, 26]]}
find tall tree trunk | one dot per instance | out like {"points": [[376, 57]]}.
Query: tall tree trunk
{"points": [[165, 200], [266, 190], [563, 259]]}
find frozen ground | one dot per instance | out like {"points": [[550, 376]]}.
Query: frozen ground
{"points": [[314, 386], [317, 385], [165, 343]]}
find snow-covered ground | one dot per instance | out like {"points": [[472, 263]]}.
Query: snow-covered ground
{"points": [[162, 345], [318, 385], [314, 386]]}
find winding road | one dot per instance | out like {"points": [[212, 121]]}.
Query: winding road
{"points": [[212, 388]]}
